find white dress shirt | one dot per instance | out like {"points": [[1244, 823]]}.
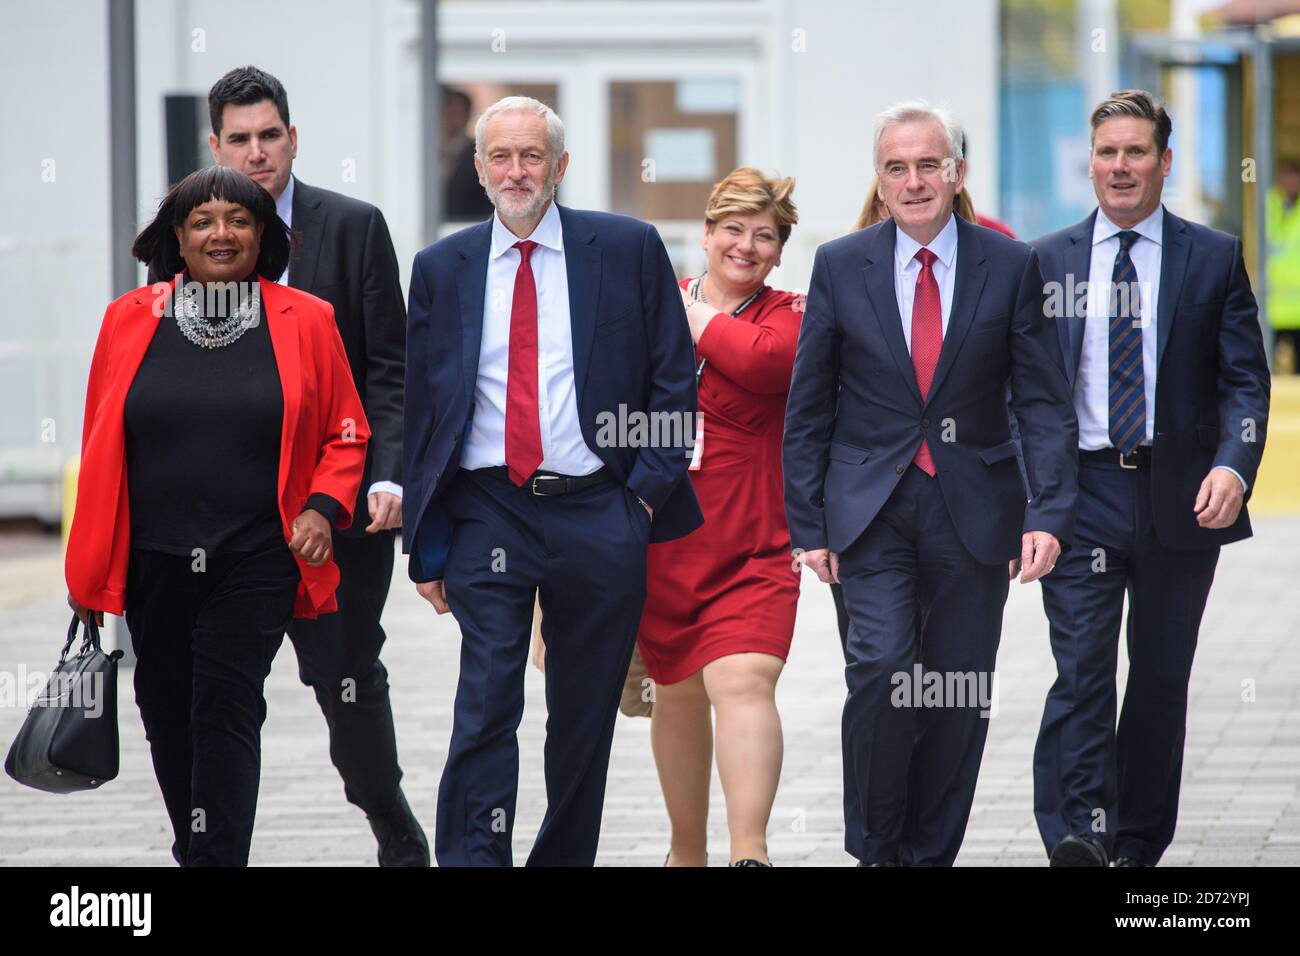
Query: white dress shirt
{"points": [[1092, 384], [284, 209], [564, 450], [907, 268]]}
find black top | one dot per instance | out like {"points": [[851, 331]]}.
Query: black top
{"points": [[203, 445], [344, 254]]}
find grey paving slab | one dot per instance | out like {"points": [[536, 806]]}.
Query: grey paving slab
{"points": [[1240, 798]]}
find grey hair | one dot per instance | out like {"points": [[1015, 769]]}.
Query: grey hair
{"points": [[909, 110], [554, 125]]}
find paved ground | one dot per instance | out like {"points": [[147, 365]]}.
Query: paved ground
{"points": [[1241, 790]]}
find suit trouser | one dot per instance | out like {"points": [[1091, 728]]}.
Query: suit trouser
{"points": [[852, 807], [204, 641], [915, 595], [1121, 786], [338, 658], [585, 556]]}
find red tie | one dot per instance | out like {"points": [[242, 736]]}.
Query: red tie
{"points": [[523, 430], [927, 339]]}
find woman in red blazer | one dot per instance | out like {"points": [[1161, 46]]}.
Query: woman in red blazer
{"points": [[223, 437]]}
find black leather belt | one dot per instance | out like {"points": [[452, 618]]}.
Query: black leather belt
{"points": [[548, 485], [1140, 457]]}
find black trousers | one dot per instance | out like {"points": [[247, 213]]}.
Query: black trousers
{"points": [[584, 556], [925, 619], [204, 635], [338, 658], [852, 807], [1119, 784]]}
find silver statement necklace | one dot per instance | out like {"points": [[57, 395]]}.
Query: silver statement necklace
{"points": [[215, 335]]}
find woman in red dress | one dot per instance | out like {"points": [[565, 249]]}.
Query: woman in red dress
{"points": [[720, 604]]}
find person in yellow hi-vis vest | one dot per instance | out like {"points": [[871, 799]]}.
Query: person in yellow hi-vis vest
{"points": [[1284, 264]]}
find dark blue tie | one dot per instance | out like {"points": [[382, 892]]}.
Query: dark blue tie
{"points": [[1128, 416]]}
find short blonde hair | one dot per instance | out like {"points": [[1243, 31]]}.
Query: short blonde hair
{"points": [[745, 191]]}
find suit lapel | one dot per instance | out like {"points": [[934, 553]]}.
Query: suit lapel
{"points": [[883, 298], [131, 340], [283, 327], [1078, 263], [309, 224], [582, 261], [1174, 251], [471, 280], [968, 285]]}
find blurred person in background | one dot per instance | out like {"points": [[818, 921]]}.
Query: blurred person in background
{"points": [[223, 439], [1284, 264], [463, 199], [720, 602]]}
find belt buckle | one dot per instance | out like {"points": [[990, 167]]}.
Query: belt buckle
{"points": [[1123, 461], [534, 489]]}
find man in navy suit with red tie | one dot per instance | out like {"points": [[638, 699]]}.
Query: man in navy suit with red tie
{"points": [[1171, 384], [529, 334], [902, 483]]}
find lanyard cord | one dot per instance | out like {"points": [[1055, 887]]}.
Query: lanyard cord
{"points": [[695, 293]]}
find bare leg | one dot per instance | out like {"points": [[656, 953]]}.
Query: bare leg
{"points": [[681, 735], [742, 688]]}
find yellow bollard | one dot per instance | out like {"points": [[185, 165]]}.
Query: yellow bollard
{"points": [[1277, 490], [70, 472]]}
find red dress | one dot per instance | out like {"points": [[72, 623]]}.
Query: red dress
{"points": [[731, 586]]}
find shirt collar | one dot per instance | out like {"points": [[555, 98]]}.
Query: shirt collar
{"points": [[284, 204], [944, 245], [547, 232], [1152, 227]]}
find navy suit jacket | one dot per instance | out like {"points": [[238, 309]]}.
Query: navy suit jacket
{"points": [[631, 348], [1212, 379], [855, 417]]}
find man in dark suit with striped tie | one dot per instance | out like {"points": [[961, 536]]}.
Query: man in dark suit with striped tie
{"points": [[1164, 354]]}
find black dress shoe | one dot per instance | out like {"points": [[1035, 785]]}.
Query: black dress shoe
{"points": [[882, 863], [401, 841], [1128, 861], [1079, 849]]}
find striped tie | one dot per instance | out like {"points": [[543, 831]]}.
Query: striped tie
{"points": [[1128, 416]]}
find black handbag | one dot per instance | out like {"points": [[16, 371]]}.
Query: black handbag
{"points": [[68, 741]]}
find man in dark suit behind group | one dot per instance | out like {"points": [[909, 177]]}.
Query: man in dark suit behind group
{"points": [[528, 334], [1171, 385], [902, 481], [345, 256]]}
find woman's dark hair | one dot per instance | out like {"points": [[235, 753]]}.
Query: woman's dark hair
{"points": [[157, 247]]}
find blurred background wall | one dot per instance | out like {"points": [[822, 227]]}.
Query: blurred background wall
{"points": [[660, 99]]}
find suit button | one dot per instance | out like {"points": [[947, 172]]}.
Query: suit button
{"points": [[455, 436], [925, 423], [899, 469], [437, 475], [819, 502]]}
